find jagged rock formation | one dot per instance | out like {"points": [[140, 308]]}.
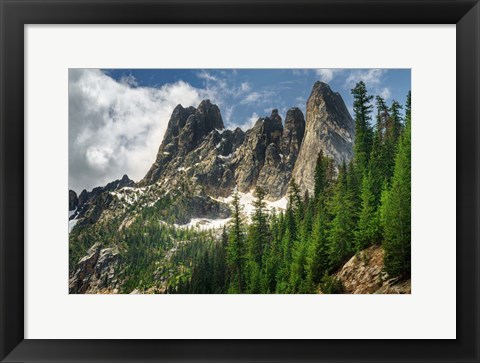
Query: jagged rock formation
{"points": [[329, 127], [280, 157], [200, 156], [90, 205], [250, 158], [199, 152], [197, 149]]}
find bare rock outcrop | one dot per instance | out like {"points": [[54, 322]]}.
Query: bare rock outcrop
{"points": [[329, 127], [96, 272], [363, 274], [280, 157]]}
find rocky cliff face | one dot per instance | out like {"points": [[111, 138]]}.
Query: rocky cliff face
{"points": [[280, 157], [329, 127]]}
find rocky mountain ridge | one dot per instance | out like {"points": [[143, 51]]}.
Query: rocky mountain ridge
{"points": [[199, 159]]}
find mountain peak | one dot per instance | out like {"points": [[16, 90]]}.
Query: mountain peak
{"points": [[210, 115], [321, 86], [329, 127]]}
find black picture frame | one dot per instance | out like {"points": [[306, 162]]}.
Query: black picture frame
{"points": [[15, 14]]}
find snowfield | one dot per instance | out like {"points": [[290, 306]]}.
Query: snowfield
{"points": [[131, 196], [203, 224], [247, 199]]}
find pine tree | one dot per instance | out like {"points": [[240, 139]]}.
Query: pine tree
{"points": [[362, 110], [368, 231], [236, 245], [396, 211], [395, 122], [320, 175], [259, 226], [340, 238], [258, 236], [317, 254], [408, 109], [295, 202]]}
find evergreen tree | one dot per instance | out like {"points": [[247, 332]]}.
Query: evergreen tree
{"points": [[258, 237], [362, 110], [236, 245], [396, 212], [368, 231], [408, 109], [317, 254], [320, 175], [259, 226], [394, 127], [295, 201], [340, 238]]}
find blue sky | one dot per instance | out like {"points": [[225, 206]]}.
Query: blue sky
{"points": [[117, 118], [243, 95]]}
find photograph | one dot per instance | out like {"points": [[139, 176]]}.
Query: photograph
{"points": [[239, 181]]}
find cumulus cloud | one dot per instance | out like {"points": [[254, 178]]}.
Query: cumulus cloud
{"points": [[115, 128], [326, 74], [385, 93], [371, 77]]}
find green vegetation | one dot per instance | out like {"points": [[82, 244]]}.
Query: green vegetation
{"points": [[354, 206]]}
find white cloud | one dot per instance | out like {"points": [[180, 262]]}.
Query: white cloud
{"points": [[371, 77], [207, 76], [385, 93], [251, 98], [115, 128], [129, 81], [326, 74]]}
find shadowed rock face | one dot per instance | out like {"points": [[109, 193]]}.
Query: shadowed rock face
{"points": [[329, 127], [280, 157], [250, 158]]}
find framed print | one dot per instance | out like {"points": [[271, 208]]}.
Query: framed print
{"points": [[247, 181]]}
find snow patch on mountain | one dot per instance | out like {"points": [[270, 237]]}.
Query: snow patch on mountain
{"points": [[247, 199], [203, 224]]}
